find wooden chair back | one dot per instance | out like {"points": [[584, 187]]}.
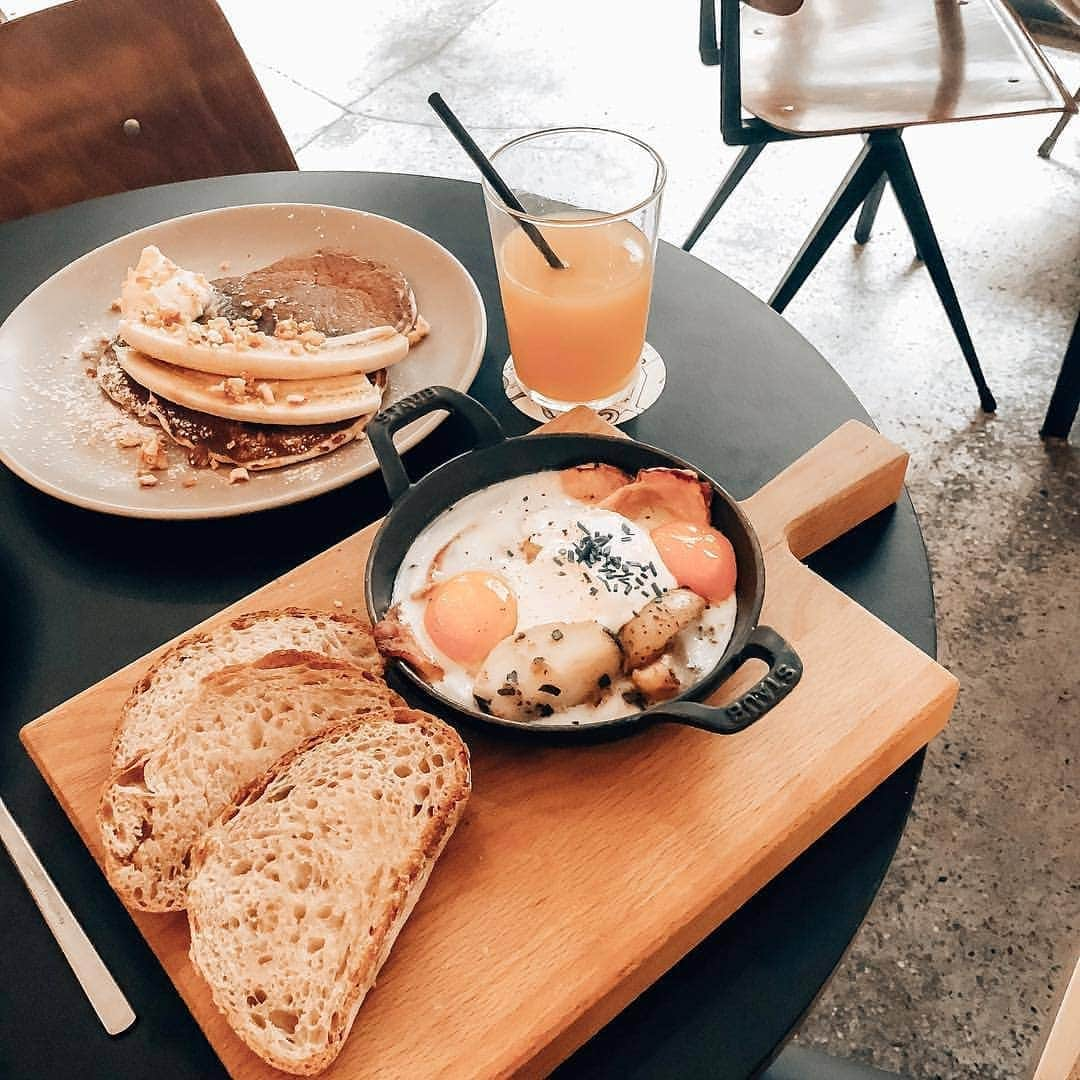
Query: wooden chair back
{"points": [[100, 96], [838, 66]]}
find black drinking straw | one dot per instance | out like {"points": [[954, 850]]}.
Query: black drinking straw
{"points": [[467, 144]]}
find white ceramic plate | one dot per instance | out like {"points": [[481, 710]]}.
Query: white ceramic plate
{"points": [[58, 431]]}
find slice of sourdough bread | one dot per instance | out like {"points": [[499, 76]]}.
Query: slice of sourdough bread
{"points": [[301, 888], [241, 720], [165, 689]]}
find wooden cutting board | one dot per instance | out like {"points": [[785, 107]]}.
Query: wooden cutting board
{"points": [[578, 876]]}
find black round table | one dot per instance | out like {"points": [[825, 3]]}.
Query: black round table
{"points": [[84, 593]]}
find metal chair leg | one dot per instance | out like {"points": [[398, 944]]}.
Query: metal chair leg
{"points": [[1048, 144], [868, 215], [1065, 400], [861, 178], [865, 224], [902, 178], [739, 168]]}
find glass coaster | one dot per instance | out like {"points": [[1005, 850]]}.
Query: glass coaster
{"points": [[642, 392]]}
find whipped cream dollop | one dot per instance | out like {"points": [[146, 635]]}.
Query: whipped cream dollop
{"points": [[158, 286]]}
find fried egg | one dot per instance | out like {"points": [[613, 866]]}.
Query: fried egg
{"points": [[525, 553], [700, 557]]}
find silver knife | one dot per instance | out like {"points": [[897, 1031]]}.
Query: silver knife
{"points": [[99, 986]]}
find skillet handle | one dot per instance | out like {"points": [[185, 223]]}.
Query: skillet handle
{"points": [[785, 670], [484, 427]]}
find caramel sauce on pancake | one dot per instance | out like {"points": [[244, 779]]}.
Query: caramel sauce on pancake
{"points": [[213, 438]]}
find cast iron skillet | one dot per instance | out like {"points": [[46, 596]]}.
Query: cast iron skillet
{"points": [[497, 458]]}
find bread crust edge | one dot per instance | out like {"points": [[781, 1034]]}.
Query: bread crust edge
{"points": [[453, 800]]}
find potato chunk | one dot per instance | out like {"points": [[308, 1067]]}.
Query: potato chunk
{"points": [[645, 637], [658, 681], [548, 668]]}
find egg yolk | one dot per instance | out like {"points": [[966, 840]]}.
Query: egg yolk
{"points": [[699, 558], [469, 614]]}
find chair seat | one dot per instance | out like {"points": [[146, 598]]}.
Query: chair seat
{"points": [[859, 65]]}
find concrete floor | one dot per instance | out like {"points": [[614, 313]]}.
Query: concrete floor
{"points": [[959, 966]]}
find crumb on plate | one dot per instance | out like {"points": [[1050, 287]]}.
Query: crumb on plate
{"points": [[153, 456]]}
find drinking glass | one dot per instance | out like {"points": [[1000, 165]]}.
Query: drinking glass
{"points": [[577, 334]]}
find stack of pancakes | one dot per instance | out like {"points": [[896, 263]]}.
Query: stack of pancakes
{"points": [[276, 366]]}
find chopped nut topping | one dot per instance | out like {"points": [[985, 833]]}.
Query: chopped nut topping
{"points": [[312, 339], [266, 392], [236, 389], [147, 480], [296, 399], [214, 337], [239, 476], [286, 329], [189, 481], [152, 454], [339, 604], [115, 305], [245, 303]]}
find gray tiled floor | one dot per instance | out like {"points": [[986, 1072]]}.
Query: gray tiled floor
{"points": [[975, 929]]}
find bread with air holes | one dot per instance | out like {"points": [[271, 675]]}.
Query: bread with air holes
{"points": [[301, 888], [175, 676], [232, 724]]}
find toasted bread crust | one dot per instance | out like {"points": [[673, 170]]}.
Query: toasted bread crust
{"points": [[239, 622], [161, 702], [408, 885]]}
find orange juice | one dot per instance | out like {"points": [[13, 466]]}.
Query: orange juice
{"points": [[577, 334]]}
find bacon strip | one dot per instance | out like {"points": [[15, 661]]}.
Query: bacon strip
{"points": [[591, 483], [393, 638], [658, 496]]}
